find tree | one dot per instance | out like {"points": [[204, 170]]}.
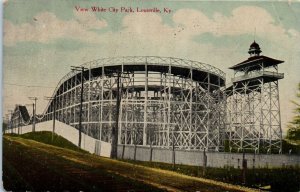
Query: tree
{"points": [[294, 126], [4, 126]]}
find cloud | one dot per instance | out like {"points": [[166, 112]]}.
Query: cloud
{"points": [[150, 26], [148, 34], [243, 20], [46, 26], [193, 22], [146, 25]]}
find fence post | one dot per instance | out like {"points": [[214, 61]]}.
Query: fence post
{"points": [[244, 168], [123, 151], [204, 162], [134, 157], [151, 150], [173, 154]]}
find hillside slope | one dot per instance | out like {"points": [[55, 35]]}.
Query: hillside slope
{"points": [[46, 137], [30, 165]]}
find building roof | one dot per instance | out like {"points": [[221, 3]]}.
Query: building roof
{"points": [[21, 110], [254, 63], [24, 113]]}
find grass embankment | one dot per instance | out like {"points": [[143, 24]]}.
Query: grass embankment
{"points": [[279, 179], [34, 166], [46, 137]]}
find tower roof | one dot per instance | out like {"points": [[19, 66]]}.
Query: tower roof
{"points": [[254, 63]]}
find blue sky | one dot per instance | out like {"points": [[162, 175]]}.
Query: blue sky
{"points": [[42, 39]]}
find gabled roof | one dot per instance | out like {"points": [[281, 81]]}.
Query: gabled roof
{"points": [[23, 112], [253, 63]]}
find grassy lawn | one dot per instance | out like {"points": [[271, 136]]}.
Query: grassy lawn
{"points": [[34, 166]]}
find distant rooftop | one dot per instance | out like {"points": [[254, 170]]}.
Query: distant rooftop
{"points": [[23, 112]]}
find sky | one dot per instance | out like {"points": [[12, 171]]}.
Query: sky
{"points": [[43, 38]]}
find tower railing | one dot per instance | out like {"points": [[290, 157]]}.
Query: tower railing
{"points": [[258, 74]]}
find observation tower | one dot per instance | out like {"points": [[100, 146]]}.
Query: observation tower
{"points": [[253, 104]]}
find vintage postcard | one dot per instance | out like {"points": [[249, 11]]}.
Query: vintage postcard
{"points": [[151, 95]]}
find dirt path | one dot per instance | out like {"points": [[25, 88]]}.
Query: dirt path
{"points": [[47, 167]]}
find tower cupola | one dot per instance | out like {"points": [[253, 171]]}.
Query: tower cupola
{"points": [[254, 49]]}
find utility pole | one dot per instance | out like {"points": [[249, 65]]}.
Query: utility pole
{"points": [[53, 99], [81, 69], [34, 112], [115, 128]]}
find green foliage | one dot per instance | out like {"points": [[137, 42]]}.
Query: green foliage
{"points": [[46, 137], [4, 126], [294, 126], [288, 147]]}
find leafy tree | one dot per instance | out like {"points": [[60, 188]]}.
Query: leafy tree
{"points": [[294, 126], [4, 126]]}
